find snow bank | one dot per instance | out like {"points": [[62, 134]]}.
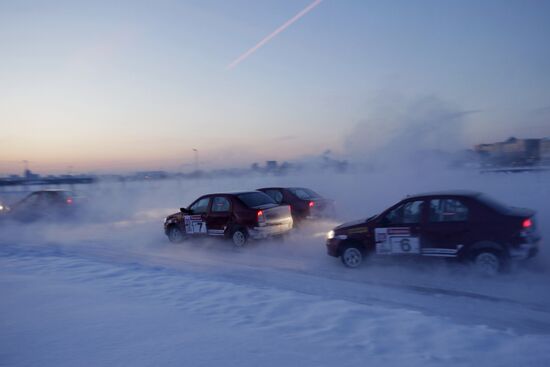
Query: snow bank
{"points": [[66, 310]]}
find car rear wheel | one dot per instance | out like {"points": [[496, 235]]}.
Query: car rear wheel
{"points": [[487, 263], [352, 257], [239, 237], [175, 234]]}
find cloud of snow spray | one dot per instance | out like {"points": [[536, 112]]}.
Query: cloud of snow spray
{"points": [[405, 132], [125, 219]]}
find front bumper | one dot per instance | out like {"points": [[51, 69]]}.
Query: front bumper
{"points": [[332, 247], [270, 230]]}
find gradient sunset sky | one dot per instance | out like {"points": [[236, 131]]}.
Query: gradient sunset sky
{"points": [[104, 86]]}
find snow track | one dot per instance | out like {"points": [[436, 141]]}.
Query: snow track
{"points": [[111, 290], [516, 301], [318, 320]]}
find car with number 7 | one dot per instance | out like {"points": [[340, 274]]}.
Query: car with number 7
{"points": [[239, 216], [467, 226]]}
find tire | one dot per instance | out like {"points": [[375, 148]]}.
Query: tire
{"points": [[239, 237], [352, 257], [175, 235], [488, 263]]}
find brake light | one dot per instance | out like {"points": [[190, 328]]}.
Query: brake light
{"points": [[260, 217], [311, 204], [527, 223], [69, 200]]}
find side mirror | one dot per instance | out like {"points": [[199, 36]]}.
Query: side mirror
{"points": [[185, 210]]}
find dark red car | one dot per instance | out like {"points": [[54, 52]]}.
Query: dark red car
{"points": [[304, 203], [43, 205], [238, 216], [468, 226]]}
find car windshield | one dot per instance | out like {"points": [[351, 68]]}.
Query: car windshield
{"points": [[303, 193], [254, 199], [492, 203]]}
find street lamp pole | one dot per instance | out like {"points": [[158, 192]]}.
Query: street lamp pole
{"points": [[196, 159]]}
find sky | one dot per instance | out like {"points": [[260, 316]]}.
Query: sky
{"points": [[106, 86]]}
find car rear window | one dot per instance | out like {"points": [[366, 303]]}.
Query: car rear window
{"points": [[254, 199], [303, 193]]}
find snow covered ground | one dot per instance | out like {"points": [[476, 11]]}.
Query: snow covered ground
{"points": [[109, 289]]}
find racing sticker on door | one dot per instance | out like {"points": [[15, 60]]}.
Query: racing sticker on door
{"points": [[194, 224], [397, 240]]}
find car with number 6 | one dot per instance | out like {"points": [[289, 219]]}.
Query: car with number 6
{"points": [[239, 216], [464, 225]]}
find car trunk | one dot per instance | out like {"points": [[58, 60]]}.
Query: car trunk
{"points": [[276, 214]]}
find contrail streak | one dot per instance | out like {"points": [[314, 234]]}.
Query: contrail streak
{"points": [[289, 22]]}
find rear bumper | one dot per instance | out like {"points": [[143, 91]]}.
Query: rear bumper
{"points": [[270, 230], [524, 251]]}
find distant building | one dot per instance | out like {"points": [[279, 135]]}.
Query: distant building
{"points": [[513, 152], [545, 151], [31, 176], [151, 175], [271, 166]]}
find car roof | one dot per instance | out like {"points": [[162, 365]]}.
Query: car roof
{"points": [[232, 193], [51, 190], [463, 193], [283, 188]]}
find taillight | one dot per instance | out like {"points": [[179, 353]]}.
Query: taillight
{"points": [[260, 217], [311, 204], [69, 200], [527, 223]]}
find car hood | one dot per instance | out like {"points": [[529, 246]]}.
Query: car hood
{"points": [[355, 223], [352, 223], [178, 215]]}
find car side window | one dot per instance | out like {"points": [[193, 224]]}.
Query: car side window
{"points": [[200, 207], [448, 210], [275, 195], [407, 213], [52, 197], [220, 204], [31, 199]]}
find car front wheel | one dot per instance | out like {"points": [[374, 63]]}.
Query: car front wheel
{"points": [[352, 257], [175, 234]]}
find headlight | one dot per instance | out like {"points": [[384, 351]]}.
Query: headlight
{"points": [[1, 207], [165, 220], [330, 235]]}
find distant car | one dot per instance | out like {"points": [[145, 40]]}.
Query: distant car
{"points": [[43, 204], [4, 208], [468, 226], [304, 203], [238, 216]]}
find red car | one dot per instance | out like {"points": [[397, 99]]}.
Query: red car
{"points": [[304, 203], [467, 226], [43, 205], [238, 216]]}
